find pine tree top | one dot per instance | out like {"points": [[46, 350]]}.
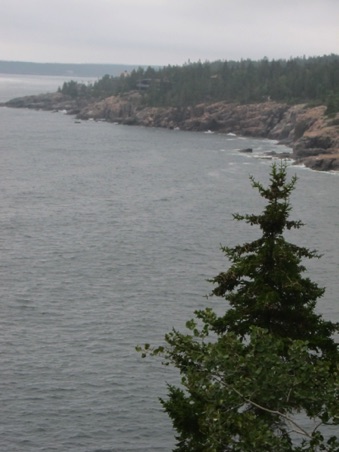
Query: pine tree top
{"points": [[265, 284]]}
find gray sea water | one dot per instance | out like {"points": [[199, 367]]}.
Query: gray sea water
{"points": [[107, 236]]}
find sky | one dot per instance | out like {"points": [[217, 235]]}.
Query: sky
{"points": [[162, 32]]}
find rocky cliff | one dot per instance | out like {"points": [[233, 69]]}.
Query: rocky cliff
{"points": [[313, 137]]}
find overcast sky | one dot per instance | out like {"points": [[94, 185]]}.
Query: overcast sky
{"points": [[161, 32]]}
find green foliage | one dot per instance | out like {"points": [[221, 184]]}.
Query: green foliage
{"points": [[74, 89], [241, 396], [312, 80], [332, 104], [246, 376], [265, 285]]}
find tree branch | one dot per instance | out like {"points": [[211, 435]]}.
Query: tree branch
{"points": [[299, 430]]}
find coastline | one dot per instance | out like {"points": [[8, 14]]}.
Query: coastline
{"points": [[312, 136]]}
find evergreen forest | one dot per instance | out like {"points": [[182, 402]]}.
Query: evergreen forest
{"points": [[313, 80]]}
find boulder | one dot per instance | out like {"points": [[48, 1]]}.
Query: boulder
{"points": [[323, 163]]}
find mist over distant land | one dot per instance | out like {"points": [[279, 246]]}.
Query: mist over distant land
{"points": [[64, 69]]}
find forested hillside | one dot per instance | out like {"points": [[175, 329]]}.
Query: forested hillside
{"points": [[293, 101], [311, 80]]}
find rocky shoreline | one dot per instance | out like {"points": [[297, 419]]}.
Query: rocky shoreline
{"points": [[313, 137]]}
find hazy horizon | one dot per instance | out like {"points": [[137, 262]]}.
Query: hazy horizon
{"points": [[162, 32]]}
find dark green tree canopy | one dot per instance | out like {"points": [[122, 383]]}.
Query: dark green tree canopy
{"points": [[265, 285], [246, 376], [244, 397], [297, 80]]}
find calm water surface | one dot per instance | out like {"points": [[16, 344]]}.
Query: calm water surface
{"points": [[107, 236]]}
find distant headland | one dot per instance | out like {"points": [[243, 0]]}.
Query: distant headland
{"points": [[295, 102]]}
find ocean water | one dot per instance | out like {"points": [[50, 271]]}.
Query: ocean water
{"points": [[108, 234]]}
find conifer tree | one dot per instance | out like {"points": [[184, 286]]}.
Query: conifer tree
{"points": [[246, 376], [265, 286]]}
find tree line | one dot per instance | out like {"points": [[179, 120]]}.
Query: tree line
{"points": [[313, 80]]}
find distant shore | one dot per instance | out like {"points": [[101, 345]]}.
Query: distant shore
{"points": [[63, 69], [313, 136]]}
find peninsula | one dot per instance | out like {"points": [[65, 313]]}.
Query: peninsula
{"points": [[295, 102]]}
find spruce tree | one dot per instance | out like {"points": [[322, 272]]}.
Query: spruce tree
{"points": [[265, 286], [246, 376]]}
